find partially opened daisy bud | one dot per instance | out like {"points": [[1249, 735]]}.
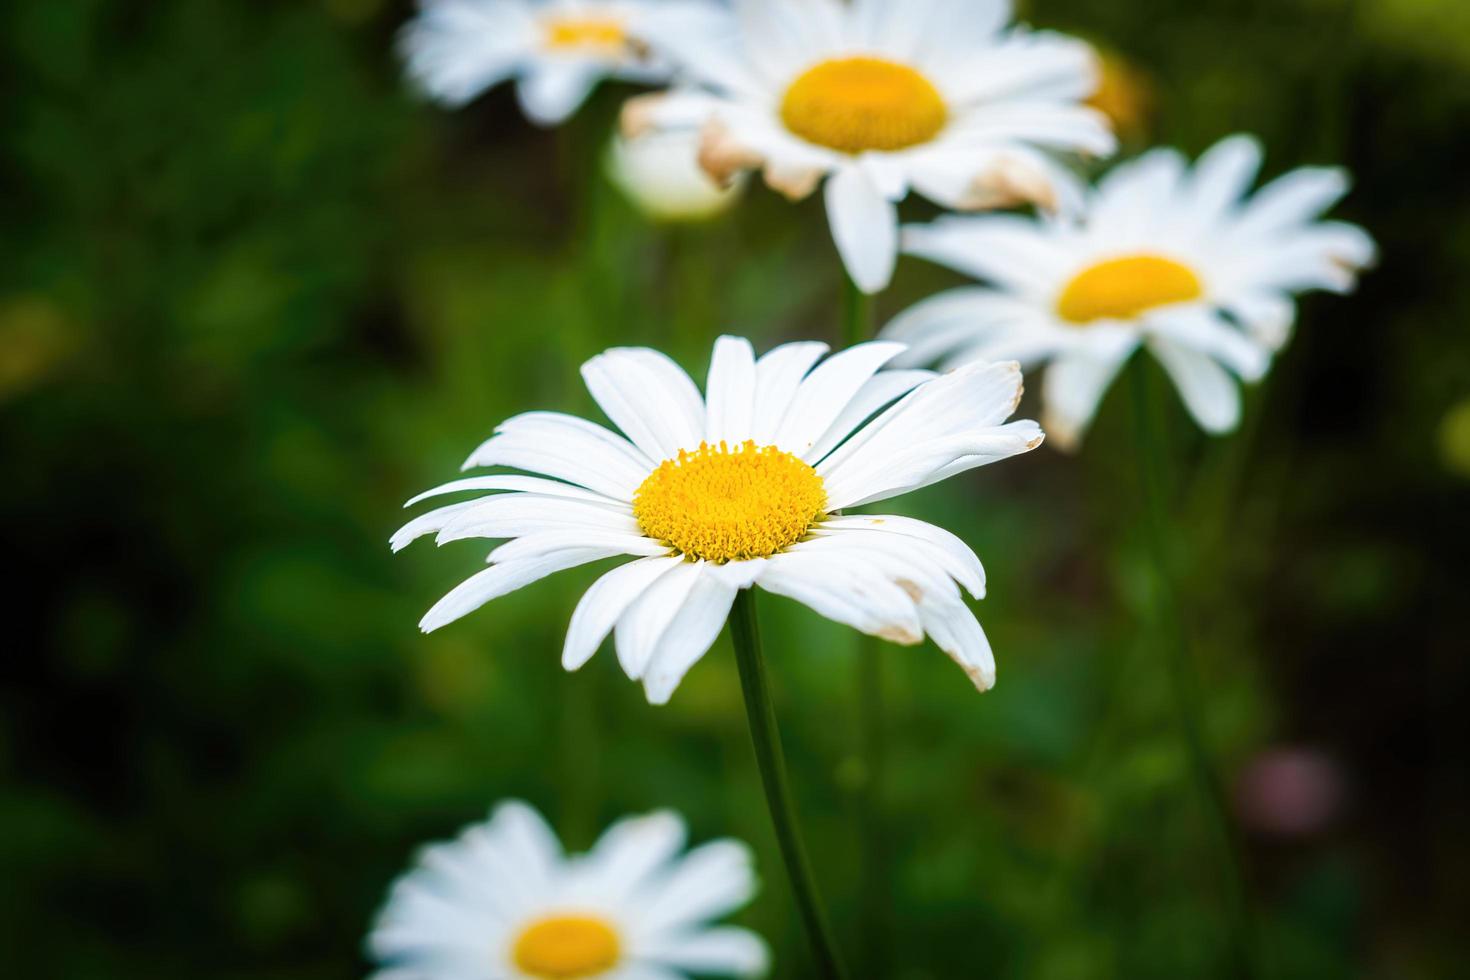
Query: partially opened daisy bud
{"points": [[746, 485], [504, 901], [878, 97], [558, 50], [660, 174], [1174, 259]]}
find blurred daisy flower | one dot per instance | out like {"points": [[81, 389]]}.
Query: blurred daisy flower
{"points": [[557, 50], [660, 174], [503, 902], [938, 96], [1166, 257], [744, 486]]}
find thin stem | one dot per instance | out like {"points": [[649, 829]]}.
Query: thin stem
{"points": [[766, 738], [858, 315], [873, 906], [1183, 680]]}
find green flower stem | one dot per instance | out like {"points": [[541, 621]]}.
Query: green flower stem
{"points": [[766, 738], [858, 324], [1183, 679], [872, 908]]}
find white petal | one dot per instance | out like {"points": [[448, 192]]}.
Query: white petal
{"points": [[864, 226], [547, 542], [827, 391], [523, 831], [1134, 198], [855, 594], [429, 523], [882, 470], [633, 850], [1008, 250], [956, 631], [1057, 126], [886, 173], [693, 631], [1268, 316], [499, 580], [947, 550], [778, 375], [942, 611], [456, 49], [1296, 197], [1325, 255], [568, 448], [881, 390], [942, 421], [638, 631], [1072, 389], [1011, 439], [1027, 66], [552, 91], [641, 970], [605, 602], [942, 324], [725, 951], [512, 515], [711, 880], [1209, 392], [649, 397], [1222, 176], [1203, 330], [730, 391], [511, 481]]}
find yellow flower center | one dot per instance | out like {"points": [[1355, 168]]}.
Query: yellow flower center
{"points": [[858, 104], [596, 34], [1120, 289], [723, 504], [567, 947]]}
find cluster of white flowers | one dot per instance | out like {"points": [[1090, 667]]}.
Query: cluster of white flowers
{"points": [[751, 482]]}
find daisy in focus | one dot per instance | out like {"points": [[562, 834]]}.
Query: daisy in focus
{"points": [[1174, 259], [742, 486], [557, 50], [878, 98], [503, 902]]}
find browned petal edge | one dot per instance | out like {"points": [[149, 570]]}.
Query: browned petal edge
{"points": [[636, 118], [722, 157], [794, 183], [1010, 182]]}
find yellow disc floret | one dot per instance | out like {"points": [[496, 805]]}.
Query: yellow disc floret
{"points": [[859, 104], [567, 947], [1120, 289], [596, 34], [730, 504]]}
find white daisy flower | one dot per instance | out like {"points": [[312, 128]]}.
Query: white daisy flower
{"points": [[660, 174], [1177, 260], [935, 95], [745, 486], [503, 902], [557, 50]]}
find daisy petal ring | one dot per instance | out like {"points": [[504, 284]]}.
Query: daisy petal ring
{"points": [[878, 98], [1179, 260], [744, 485], [503, 901]]}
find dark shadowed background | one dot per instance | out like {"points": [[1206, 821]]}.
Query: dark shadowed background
{"points": [[253, 296]]}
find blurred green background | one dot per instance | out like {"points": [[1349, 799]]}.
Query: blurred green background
{"points": [[253, 296]]}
